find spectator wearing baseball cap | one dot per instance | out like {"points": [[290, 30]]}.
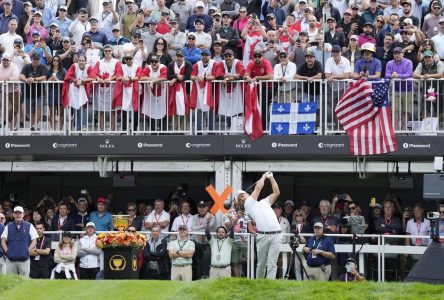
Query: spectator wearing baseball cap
{"points": [[98, 36], [272, 7], [62, 20], [78, 27], [401, 68], [407, 12], [37, 26], [228, 36], [200, 14], [108, 18], [183, 10], [89, 253], [288, 210], [367, 35], [101, 218], [337, 67], [181, 252], [17, 239], [332, 36], [348, 25], [128, 18], [320, 252], [328, 6]]}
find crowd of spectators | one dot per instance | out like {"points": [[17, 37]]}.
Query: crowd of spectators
{"points": [[182, 213], [176, 40]]}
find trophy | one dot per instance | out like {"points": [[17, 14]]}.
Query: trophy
{"points": [[121, 222]]}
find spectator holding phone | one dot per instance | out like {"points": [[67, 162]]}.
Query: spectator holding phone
{"points": [[38, 45]]}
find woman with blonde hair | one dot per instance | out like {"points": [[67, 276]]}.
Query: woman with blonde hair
{"points": [[65, 257], [299, 226]]}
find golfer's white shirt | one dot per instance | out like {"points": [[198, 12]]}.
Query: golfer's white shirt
{"points": [[263, 214]]}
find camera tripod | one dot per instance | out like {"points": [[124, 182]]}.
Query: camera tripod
{"points": [[294, 245]]}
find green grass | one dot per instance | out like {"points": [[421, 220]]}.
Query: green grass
{"points": [[13, 287]]}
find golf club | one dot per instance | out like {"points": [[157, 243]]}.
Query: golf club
{"points": [[228, 203]]}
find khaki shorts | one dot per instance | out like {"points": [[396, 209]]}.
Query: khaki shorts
{"points": [[402, 102]]}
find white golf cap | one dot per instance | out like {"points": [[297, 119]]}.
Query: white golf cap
{"points": [[19, 208], [90, 224], [238, 193], [318, 224]]}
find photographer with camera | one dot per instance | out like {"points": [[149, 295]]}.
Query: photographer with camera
{"points": [[351, 273], [269, 236], [319, 251]]}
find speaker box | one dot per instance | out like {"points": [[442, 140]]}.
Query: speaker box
{"points": [[124, 181], [433, 186], [401, 181]]}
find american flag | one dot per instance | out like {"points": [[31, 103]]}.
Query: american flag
{"points": [[364, 113]]}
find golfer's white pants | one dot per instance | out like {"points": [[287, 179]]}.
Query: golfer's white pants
{"points": [[268, 248]]}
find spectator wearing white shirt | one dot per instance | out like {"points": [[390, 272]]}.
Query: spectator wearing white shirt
{"points": [[176, 39], [10, 72], [158, 217], [203, 39], [89, 254], [78, 27], [185, 218], [394, 8], [7, 39], [148, 6], [284, 72], [285, 225], [438, 40], [183, 9], [108, 18], [337, 67], [418, 225]]}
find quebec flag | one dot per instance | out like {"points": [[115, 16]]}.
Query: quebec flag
{"points": [[293, 118]]}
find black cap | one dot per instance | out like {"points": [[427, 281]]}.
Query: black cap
{"points": [[199, 21], [35, 55], [66, 234], [305, 203], [277, 205], [83, 10], [368, 24], [202, 203]]}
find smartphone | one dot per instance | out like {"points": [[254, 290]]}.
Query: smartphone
{"points": [[84, 192], [373, 201], [314, 44]]}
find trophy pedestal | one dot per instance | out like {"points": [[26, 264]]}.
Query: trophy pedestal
{"points": [[121, 263]]}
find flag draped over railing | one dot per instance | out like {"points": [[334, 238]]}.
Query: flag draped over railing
{"points": [[364, 113], [253, 118]]}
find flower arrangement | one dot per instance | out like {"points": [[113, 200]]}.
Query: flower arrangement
{"points": [[120, 239]]}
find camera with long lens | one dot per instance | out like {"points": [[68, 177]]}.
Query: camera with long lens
{"points": [[294, 242]]}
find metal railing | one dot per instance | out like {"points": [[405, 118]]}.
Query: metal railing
{"points": [[36, 108], [383, 246]]}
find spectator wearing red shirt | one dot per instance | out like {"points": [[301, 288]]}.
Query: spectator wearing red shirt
{"points": [[258, 69]]}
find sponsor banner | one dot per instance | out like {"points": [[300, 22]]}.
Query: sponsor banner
{"points": [[267, 147], [112, 145], [287, 145]]}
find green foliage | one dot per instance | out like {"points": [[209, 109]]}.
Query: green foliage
{"points": [[14, 287]]}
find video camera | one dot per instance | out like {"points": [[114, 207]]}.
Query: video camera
{"points": [[294, 242]]}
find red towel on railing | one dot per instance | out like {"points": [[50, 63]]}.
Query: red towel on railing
{"points": [[177, 97], [71, 76], [119, 86], [253, 118]]}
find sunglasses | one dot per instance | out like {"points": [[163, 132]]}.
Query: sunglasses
{"points": [[257, 56], [191, 38], [270, 18], [132, 231], [299, 215], [178, 55], [62, 10], [436, 7], [380, 21], [242, 11], [160, 44], [55, 60], [154, 61], [107, 50], [131, 209], [228, 55], [352, 207], [36, 58]]}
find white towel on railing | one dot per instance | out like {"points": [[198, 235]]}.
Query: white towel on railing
{"points": [[66, 268]]}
